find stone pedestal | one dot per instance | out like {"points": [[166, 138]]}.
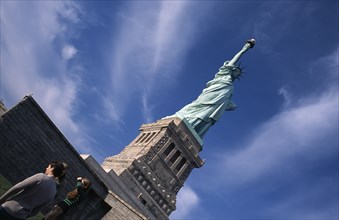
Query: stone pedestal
{"points": [[156, 164]]}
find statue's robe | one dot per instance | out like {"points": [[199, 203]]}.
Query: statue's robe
{"points": [[214, 100]]}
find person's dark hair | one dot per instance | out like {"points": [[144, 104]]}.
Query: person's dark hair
{"points": [[58, 168], [62, 175]]}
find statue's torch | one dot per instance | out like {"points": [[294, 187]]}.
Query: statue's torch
{"points": [[249, 44]]}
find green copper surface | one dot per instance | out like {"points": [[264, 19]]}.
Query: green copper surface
{"points": [[215, 98]]}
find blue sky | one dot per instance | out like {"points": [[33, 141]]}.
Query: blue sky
{"points": [[100, 69]]}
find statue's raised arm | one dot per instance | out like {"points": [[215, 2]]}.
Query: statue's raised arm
{"points": [[249, 44], [215, 99]]}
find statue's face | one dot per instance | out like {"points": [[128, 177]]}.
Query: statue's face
{"points": [[236, 72]]}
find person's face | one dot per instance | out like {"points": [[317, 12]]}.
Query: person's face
{"points": [[49, 170]]}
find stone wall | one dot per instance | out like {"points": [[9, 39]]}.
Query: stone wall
{"points": [[29, 140]]}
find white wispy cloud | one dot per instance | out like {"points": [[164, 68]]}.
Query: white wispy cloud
{"points": [[286, 95], [287, 136], [111, 112], [147, 109], [68, 51], [32, 61], [298, 129], [152, 40], [187, 200]]}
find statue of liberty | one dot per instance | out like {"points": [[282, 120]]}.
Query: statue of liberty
{"points": [[215, 99]]}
